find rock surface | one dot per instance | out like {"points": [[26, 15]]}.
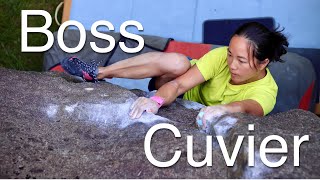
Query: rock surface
{"points": [[54, 126]]}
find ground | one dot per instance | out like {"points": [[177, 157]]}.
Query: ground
{"points": [[10, 36]]}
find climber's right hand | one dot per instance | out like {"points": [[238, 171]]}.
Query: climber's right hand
{"points": [[150, 105]]}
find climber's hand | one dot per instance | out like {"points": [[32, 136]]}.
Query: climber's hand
{"points": [[210, 114], [143, 104]]}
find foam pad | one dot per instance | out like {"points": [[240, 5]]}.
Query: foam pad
{"points": [[220, 31]]}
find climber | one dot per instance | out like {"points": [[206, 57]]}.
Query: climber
{"points": [[226, 79]]}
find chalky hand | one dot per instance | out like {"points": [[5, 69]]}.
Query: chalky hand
{"points": [[143, 104], [209, 115]]}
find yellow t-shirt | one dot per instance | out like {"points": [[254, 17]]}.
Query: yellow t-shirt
{"points": [[218, 90]]}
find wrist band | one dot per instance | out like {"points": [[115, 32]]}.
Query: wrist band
{"points": [[158, 99]]}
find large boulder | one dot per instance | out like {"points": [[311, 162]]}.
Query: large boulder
{"points": [[55, 126]]}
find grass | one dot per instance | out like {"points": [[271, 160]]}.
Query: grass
{"points": [[10, 33]]}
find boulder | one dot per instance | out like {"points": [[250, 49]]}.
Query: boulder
{"points": [[54, 126]]}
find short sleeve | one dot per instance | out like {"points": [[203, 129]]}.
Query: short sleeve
{"points": [[266, 98], [211, 63]]}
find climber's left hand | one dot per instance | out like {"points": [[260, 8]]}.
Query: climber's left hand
{"points": [[210, 114]]}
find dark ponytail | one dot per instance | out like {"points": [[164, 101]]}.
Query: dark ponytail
{"points": [[266, 43]]}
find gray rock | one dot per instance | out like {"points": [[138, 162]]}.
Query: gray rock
{"points": [[55, 126], [286, 125]]}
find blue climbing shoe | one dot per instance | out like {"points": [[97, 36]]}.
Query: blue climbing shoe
{"points": [[75, 66]]}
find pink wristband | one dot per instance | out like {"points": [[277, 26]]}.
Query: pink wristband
{"points": [[158, 99]]}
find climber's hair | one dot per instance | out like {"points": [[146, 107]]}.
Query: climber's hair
{"points": [[264, 43]]}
